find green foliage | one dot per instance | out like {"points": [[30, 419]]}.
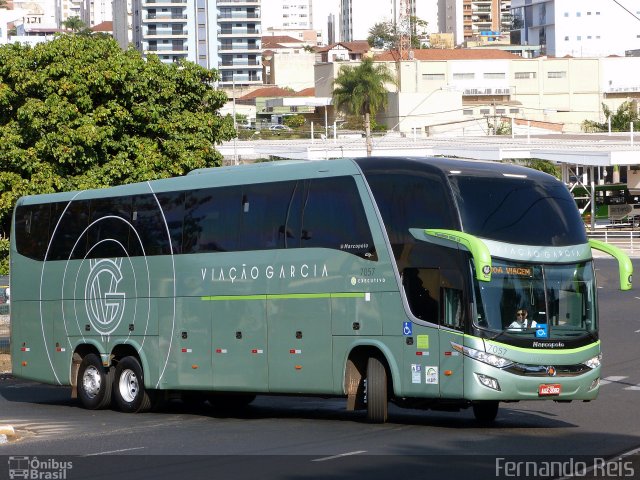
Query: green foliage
{"points": [[620, 121], [387, 35], [294, 121], [76, 26], [362, 90], [544, 166], [79, 112]]}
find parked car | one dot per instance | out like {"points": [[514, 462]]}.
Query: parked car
{"points": [[280, 128]]}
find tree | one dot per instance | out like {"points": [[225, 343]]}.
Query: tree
{"points": [[76, 26], [620, 121], [362, 91], [294, 121], [388, 35], [79, 112]]}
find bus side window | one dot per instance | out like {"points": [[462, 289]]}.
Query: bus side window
{"points": [[32, 230], [452, 308], [334, 217], [421, 286]]}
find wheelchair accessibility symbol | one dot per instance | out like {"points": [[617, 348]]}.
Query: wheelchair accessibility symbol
{"points": [[406, 329]]}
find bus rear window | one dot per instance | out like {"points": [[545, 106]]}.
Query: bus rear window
{"points": [[518, 211]]}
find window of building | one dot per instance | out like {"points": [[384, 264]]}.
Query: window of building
{"points": [[566, 14], [524, 75], [556, 74], [514, 110], [485, 111], [500, 111], [579, 37], [433, 76], [578, 14], [464, 76], [494, 75], [467, 112], [566, 38]]}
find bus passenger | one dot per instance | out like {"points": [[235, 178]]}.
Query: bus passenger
{"points": [[521, 322]]}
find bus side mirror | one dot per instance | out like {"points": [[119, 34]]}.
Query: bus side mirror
{"points": [[455, 239], [625, 266]]}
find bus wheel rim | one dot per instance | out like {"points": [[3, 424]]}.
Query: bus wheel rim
{"points": [[128, 386], [91, 382]]}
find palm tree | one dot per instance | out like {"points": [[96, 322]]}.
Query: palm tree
{"points": [[76, 25], [361, 90]]}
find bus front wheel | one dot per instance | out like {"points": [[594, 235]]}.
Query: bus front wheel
{"points": [[130, 394], [486, 412], [94, 383], [377, 395]]}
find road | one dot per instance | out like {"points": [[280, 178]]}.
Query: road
{"points": [[299, 438]]}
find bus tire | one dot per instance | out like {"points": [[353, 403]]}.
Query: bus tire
{"points": [[129, 392], [95, 383], [377, 394], [486, 411]]}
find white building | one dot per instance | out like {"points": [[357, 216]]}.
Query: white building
{"points": [[588, 28], [287, 14], [94, 12], [358, 16]]}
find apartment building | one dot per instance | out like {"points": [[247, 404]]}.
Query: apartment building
{"points": [[225, 35], [588, 28], [356, 18], [469, 19]]}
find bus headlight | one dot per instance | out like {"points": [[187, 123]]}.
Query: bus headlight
{"points": [[484, 357], [594, 362]]}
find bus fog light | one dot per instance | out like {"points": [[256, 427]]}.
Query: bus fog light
{"points": [[488, 381], [594, 384]]}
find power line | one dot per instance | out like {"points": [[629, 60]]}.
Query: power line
{"points": [[626, 9]]}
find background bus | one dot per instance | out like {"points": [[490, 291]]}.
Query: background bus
{"points": [[614, 203], [377, 279]]}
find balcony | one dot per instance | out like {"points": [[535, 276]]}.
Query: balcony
{"points": [[236, 3], [164, 3], [237, 16], [238, 48], [225, 32], [165, 17]]}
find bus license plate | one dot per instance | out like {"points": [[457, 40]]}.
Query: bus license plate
{"points": [[549, 389]]}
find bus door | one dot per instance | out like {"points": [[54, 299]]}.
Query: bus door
{"points": [[451, 330]]}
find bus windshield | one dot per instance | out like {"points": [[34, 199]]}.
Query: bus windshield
{"points": [[543, 301]]}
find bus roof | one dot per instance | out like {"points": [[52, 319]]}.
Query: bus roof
{"points": [[291, 170]]}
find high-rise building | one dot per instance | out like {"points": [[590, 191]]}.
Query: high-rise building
{"points": [[224, 35], [470, 19], [356, 18], [589, 28], [94, 12], [288, 14]]}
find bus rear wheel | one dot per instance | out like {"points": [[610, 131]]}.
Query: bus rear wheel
{"points": [[95, 383], [377, 394], [130, 394], [486, 411]]}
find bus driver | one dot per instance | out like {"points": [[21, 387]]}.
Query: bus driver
{"points": [[521, 322]]}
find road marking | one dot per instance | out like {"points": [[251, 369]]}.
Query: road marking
{"points": [[634, 387], [113, 451], [608, 380], [333, 457]]}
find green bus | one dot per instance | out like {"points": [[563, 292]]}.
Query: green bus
{"points": [[614, 202], [378, 280]]}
